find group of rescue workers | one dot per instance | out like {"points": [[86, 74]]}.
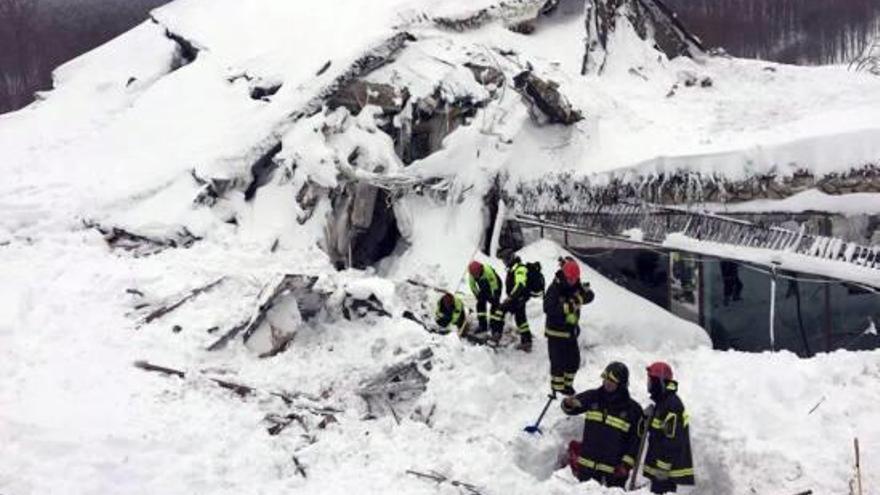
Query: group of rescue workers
{"points": [[615, 426]]}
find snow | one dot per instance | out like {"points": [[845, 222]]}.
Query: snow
{"points": [[782, 260], [809, 200], [97, 148], [72, 403], [112, 66]]}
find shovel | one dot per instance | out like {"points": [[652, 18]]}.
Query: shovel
{"points": [[532, 429]]}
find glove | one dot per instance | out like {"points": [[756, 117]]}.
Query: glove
{"points": [[621, 471], [570, 403]]}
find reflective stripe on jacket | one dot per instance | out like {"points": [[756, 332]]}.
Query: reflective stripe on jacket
{"points": [[669, 444], [456, 317], [562, 307], [488, 286], [612, 426]]}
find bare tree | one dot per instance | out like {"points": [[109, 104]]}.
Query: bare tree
{"points": [[19, 59]]}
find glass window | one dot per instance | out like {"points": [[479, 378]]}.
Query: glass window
{"points": [[640, 271], [684, 286], [800, 314], [736, 305], [854, 314]]}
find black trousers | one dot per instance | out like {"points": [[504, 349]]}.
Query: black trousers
{"points": [[565, 359], [665, 486], [518, 308], [489, 315]]}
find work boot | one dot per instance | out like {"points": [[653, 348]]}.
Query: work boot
{"points": [[568, 391], [525, 341], [477, 337], [525, 346], [495, 338]]}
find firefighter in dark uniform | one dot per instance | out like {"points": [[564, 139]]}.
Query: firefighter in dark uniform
{"points": [[668, 460], [486, 287], [612, 422], [521, 284], [562, 307], [451, 312]]}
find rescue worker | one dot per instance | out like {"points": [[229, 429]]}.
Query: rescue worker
{"points": [[668, 460], [451, 311], [486, 287], [562, 306], [612, 423], [521, 284]]}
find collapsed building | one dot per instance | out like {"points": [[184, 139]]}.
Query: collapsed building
{"points": [[483, 113]]}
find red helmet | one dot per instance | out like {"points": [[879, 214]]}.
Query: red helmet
{"points": [[660, 370], [572, 271], [475, 268]]}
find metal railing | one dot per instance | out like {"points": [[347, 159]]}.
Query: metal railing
{"points": [[655, 222]]}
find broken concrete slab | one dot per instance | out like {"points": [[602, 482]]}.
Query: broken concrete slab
{"points": [[359, 93], [289, 302], [396, 386], [488, 76]]}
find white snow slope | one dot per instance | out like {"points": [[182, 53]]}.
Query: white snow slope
{"points": [[119, 139]]}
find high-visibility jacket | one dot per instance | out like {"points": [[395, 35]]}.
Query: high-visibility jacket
{"points": [[612, 426], [562, 307], [488, 286], [516, 284], [454, 316], [668, 455]]}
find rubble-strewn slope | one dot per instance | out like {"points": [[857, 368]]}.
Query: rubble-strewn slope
{"points": [[155, 202]]}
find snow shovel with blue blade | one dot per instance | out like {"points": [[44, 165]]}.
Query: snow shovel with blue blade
{"points": [[532, 429]]}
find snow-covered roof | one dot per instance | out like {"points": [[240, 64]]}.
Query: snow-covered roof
{"points": [[122, 124]]}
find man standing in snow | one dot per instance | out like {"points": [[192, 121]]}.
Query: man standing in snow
{"points": [[612, 422], [562, 306], [522, 283], [486, 287], [451, 311], [668, 460]]}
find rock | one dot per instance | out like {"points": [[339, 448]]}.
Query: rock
{"points": [[523, 27], [545, 96], [649, 18]]}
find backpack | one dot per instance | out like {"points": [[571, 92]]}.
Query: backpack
{"points": [[535, 279]]}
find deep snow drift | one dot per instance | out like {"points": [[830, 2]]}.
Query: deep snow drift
{"points": [[74, 405], [132, 128]]}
